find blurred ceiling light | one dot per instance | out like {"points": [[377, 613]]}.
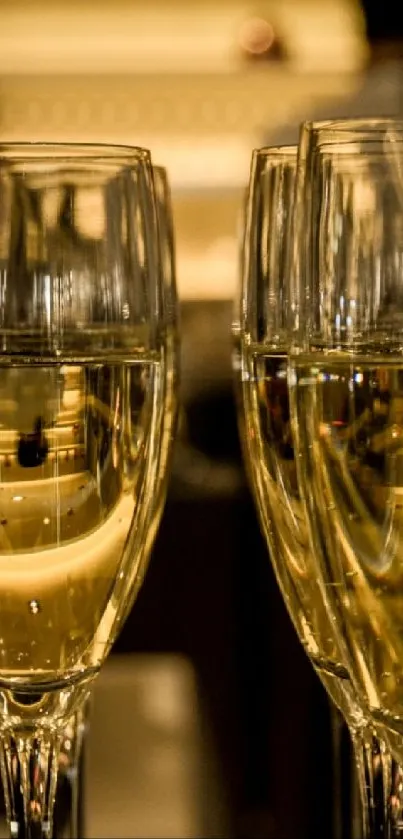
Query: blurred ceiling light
{"points": [[256, 35]]}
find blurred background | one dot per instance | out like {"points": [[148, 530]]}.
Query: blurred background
{"points": [[200, 83], [208, 716]]}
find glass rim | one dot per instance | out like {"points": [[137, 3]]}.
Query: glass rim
{"points": [[354, 124], [275, 151], [350, 133], [54, 151]]}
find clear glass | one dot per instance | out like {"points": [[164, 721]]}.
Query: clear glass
{"points": [[345, 387], [74, 735], [83, 373], [261, 364]]}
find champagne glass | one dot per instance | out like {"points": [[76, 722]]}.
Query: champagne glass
{"points": [[74, 736], [345, 389], [83, 374], [269, 454]]}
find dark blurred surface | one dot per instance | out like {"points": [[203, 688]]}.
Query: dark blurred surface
{"points": [[383, 21], [210, 594]]}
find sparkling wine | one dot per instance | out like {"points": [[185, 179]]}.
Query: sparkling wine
{"points": [[351, 419], [273, 474], [77, 442]]}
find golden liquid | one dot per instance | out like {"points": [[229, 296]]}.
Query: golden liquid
{"points": [[272, 470], [167, 424], [71, 499], [350, 423]]}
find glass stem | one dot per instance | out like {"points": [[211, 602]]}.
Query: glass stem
{"points": [[76, 772], [395, 802], [373, 764], [29, 774]]}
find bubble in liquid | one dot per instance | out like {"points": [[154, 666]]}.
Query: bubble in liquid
{"points": [[34, 607], [70, 511], [3, 522]]}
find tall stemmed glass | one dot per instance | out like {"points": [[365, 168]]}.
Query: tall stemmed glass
{"points": [[346, 392], [75, 733], [269, 454], [83, 373]]}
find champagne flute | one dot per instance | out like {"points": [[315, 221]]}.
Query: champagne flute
{"points": [[83, 373], [269, 454], [74, 736], [345, 390]]}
